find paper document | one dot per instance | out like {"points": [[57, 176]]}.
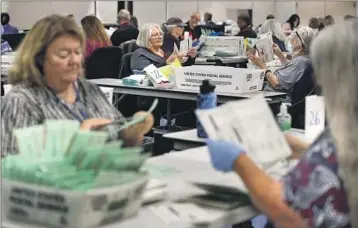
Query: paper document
{"points": [[185, 45], [264, 48], [314, 116], [251, 124]]}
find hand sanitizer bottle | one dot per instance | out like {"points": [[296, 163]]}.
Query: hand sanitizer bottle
{"points": [[284, 118], [207, 99]]}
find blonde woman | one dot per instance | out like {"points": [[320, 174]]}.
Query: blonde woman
{"points": [[274, 27], [47, 84], [96, 36]]}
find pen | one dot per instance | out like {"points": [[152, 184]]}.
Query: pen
{"points": [[174, 211]]}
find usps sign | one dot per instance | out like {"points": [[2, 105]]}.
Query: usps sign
{"points": [[226, 79]]}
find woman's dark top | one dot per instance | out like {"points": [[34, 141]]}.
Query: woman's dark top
{"points": [[143, 57], [168, 48], [280, 43]]}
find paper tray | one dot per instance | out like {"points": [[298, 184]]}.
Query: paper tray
{"points": [[69, 209]]}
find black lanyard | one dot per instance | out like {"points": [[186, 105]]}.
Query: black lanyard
{"points": [[83, 115]]}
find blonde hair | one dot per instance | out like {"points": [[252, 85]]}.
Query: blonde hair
{"points": [[335, 61], [94, 30], [145, 34], [273, 26], [29, 60]]}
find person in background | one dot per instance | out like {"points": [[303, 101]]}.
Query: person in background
{"points": [[349, 17], [47, 85], [5, 46], [173, 30], [270, 16], [208, 18], [125, 31], [150, 42], [5, 22], [134, 21], [72, 17], [314, 23], [291, 24], [274, 27], [321, 190], [191, 26], [285, 78], [328, 20], [244, 23], [96, 36]]}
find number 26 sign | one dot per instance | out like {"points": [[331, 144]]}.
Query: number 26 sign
{"points": [[314, 116]]}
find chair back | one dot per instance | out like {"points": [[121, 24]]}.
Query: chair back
{"points": [[306, 86], [14, 40], [126, 65], [104, 62], [128, 46]]}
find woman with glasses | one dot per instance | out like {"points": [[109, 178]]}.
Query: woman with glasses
{"points": [[174, 29], [150, 42], [286, 77]]}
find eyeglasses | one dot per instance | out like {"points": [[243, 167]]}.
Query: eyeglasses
{"points": [[157, 35]]}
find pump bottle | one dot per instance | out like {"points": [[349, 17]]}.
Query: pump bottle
{"points": [[284, 119]]}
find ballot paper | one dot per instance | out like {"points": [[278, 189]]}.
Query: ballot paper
{"points": [[185, 45], [251, 124], [181, 214], [264, 49], [314, 116]]}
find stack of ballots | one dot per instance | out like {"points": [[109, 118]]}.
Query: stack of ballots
{"points": [[65, 177]]}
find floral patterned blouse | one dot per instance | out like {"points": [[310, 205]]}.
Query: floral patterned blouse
{"points": [[315, 190]]}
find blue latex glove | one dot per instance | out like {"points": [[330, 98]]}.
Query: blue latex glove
{"points": [[223, 154]]}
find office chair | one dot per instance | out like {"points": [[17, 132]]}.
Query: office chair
{"points": [[126, 70], [104, 62], [128, 46], [14, 40], [306, 86]]}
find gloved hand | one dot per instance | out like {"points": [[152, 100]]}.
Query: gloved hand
{"points": [[223, 154]]}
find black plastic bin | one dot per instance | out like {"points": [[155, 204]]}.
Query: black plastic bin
{"points": [[163, 145]]}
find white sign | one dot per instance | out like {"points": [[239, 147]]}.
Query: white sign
{"points": [[230, 44], [185, 45], [154, 74], [6, 62], [248, 123], [226, 79], [108, 91], [265, 50], [314, 116]]}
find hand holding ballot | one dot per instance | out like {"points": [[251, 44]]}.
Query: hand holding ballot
{"points": [[192, 52], [92, 123], [256, 60], [223, 154]]}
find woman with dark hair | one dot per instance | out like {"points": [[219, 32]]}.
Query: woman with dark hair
{"points": [[291, 24], [96, 36], [8, 29]]}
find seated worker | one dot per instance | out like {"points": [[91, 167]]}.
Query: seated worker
{"points": [[274, 27], [321, 190], [5, 22], [5, 46], [174, 28], [150, 42], [47, 85], [126, 30], [244, 23], [192, 26], [95, 34], [284, 79]]}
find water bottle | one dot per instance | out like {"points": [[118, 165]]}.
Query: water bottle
{"points": [[207, 99]]}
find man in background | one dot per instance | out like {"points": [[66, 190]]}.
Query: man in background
{"points": [[5, 22], [244, 23], [192, 26], [208, 17], [126, 31]]}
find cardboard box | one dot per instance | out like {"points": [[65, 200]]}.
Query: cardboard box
{"points": [[226, 79], [6, 62], [69, 209]]}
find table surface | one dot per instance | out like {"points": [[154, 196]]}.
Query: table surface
{"points": [[193, 165], [175, 93]]}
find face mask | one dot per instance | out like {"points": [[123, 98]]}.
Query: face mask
{"points": [[289, 47]]}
